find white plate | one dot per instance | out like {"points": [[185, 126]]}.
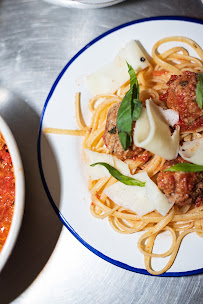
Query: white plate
{"points": [[60, 156]]}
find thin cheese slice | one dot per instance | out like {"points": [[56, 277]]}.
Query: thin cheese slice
{"points": [[121, 166], [153, 133], [130, 197], [98, 171], [192, 151], [112, 76], [141, 200], [170, 116], [157, 198]]}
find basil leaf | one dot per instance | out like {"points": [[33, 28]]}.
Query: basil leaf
{"points": [[133, 79], [185, 167], [133, 82], [120, 177], [125, 139], [137, 109], [124, 120], [129, 111], [199, 91], [137, 104]]}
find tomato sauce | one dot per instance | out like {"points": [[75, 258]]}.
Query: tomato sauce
{"points": [[7, 193], [159, 73], [142, 157], [198, 123]]}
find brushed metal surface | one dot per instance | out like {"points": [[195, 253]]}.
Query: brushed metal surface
{"points": [[36, 41]]}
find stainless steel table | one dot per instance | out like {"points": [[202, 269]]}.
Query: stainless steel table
{"points": [[48, 265]]}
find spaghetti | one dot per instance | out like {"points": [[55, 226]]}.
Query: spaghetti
{"points": [[180, 221]]}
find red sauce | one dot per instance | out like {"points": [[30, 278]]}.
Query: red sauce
{"points": [[198, 123], [198, 202], [7, 194], [159, 73], [142, 157], [173, 77], [164, 96]]}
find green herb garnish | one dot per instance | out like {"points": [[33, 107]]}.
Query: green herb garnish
{"points": [[199, 91], [120, 177], [185, 167], [137, 109], [129, 111]]}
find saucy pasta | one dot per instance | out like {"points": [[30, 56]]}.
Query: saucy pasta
{"points": [[154, 82]]}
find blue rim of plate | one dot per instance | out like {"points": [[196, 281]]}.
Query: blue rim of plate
{"points": [[63, 220]]}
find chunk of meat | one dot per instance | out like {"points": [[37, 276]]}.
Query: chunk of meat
{"points": [[111, 138], [181, 188], [181, 97]]}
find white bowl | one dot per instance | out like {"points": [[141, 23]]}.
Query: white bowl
{"points": [[19, 192], [84, 4]]}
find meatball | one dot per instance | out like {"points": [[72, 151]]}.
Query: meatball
{"points": [[111, 138], [181, 97], [181, 188]]}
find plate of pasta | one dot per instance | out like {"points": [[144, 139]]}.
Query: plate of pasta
{"points": [[121, 142]]}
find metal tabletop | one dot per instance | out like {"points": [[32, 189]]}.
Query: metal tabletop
{"points": [[48, 265]]}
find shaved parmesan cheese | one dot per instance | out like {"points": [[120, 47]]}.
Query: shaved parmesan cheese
{"points": [[157, 198], [130, 197], [121, 166], [153, 133], [97, 172], [192, 151], [170, 116], [141, 200], [95, 157], [154, 195], [112, 76]]}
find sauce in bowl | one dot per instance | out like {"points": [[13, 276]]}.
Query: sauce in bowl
{"points": [[7, 191]]}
